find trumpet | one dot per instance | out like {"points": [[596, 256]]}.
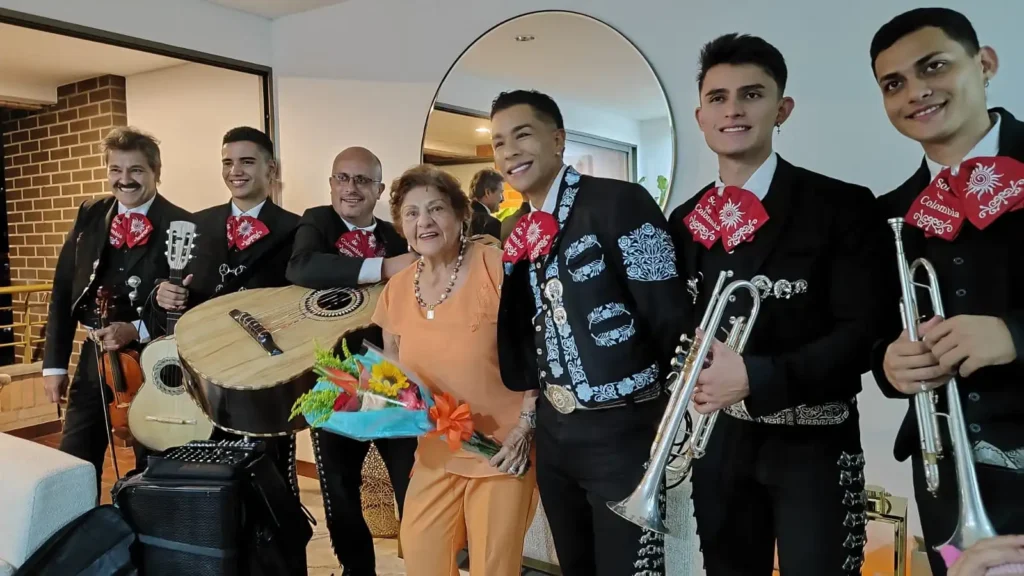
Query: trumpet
{"points": [[973, 523], [642, 507]]}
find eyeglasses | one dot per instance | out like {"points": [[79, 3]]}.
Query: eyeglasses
{"points": [[359, 180]]}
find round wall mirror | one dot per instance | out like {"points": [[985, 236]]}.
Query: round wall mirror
{"points": [[617, 119]]}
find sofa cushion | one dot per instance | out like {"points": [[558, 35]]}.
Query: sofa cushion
{"points": [[43, 490]]}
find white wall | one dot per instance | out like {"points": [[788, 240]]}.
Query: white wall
{"points": [[328, 99], [654, 154], [193, 24], [189, 108]]}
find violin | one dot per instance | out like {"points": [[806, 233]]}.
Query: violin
{"points": [[119, 370]]}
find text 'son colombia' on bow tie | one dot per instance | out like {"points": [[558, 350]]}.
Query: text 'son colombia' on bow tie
{"points": [[729, 213], [532, 237], [244, 231], [982, 190], [130, 230], [359, 244]]}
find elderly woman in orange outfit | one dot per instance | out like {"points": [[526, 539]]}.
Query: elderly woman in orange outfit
{"points": [[439, 319]]}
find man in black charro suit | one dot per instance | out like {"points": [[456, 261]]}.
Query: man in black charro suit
{"points": [[343, 245], [244, 244], [114, 240]]}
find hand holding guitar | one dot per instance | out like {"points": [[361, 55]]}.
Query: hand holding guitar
{"points": [[172, 297]]}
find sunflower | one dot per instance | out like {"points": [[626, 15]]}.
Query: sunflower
{"points": [[387, 379]]}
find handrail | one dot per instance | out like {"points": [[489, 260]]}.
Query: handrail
{"points": [[27, 339]]}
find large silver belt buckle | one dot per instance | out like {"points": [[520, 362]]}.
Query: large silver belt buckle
{"points": [[561, 398]]}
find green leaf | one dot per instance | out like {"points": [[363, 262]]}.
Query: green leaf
{"points": [[318, 403]]}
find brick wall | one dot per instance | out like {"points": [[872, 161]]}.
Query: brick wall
{"points": [[52, 164]]}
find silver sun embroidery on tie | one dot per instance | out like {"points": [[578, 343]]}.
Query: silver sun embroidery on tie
{"points": [[730, 215], [983, 180]]}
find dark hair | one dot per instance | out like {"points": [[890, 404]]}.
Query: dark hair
{"points": [[952, 23], [485, 181], [740, 49], [428, 175], [542, 104], [128, 139], [247, 134]]}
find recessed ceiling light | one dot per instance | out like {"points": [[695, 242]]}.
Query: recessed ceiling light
{"points": [[483, 130], [524, 38]]}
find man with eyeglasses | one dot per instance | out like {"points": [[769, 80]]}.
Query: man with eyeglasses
{"points": [[342, 244]]}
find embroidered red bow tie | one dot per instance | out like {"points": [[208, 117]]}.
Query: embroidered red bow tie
{"points": [[129, 229], [532, 237], [244, 231], [983, 189], [359, 244], [730, 213]]}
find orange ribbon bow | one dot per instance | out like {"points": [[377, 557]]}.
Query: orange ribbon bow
{"points": [[453, 421]]}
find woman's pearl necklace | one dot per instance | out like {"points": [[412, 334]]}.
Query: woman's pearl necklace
{"points": [[447, 291]]}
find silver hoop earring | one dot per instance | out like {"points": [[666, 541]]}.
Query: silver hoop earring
{"points": [[986, 83]]}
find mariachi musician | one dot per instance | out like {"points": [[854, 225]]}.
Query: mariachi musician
{"points": [[963, 211], [783, 464], [590, 314], [343, 245], [254, 253], [116, 243]]}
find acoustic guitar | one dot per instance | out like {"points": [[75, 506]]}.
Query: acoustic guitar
{"points": [[164, 414], [249, 355]]}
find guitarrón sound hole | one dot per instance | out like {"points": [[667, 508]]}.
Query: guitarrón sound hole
{"points": [[332, 302]]}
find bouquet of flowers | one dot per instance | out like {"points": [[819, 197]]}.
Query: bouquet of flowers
{"points": [[369, 396]]}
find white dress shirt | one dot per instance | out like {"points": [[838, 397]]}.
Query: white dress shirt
{"points": [[254, 211], [549, 202], [140, 326], [987, 146], [761, 180]]}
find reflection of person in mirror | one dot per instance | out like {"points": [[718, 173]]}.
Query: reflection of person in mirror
{"points": [[342, 244], [590, 315], [933, 74], [487, 190], [784, 464]]}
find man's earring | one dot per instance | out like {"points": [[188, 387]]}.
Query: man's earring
{"points": [[986, 83], [778, 128]]}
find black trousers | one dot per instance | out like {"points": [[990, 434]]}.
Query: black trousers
{"points": [[585, 460], [85, 427], [1002, 492], [801, 489], [339, 462]]}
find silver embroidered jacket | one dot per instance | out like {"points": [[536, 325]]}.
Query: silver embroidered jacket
{"points": [[601, 313]]}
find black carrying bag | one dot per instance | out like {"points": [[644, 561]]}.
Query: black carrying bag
{"points": [[97, 543], [215, 509]]}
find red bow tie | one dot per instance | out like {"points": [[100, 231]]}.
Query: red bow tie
{"points": [[359, 244], [243, 231], [532, 237], [129, 229], [982, 190], [730, 213]]}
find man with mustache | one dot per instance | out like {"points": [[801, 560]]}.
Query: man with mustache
{"points": [[344, 245], [963, 210], [254, 253], [784, 466], [114, 239], [590, 314]]}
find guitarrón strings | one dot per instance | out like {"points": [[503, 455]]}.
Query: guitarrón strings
{"points": [[284, 316]]}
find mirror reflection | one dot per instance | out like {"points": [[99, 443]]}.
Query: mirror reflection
{"points": [[618, 123]]}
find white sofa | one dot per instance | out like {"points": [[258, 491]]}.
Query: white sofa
{"points": [[41, 490]]}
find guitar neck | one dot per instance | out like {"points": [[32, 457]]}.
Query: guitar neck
{"points": [[173, 316]]}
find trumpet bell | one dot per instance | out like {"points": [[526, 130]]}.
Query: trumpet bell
{"points": [[643, 508]]}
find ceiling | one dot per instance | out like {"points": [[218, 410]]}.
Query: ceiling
{"points": [[571, 57], [35, 63], [457, 129], [275, 8]]}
